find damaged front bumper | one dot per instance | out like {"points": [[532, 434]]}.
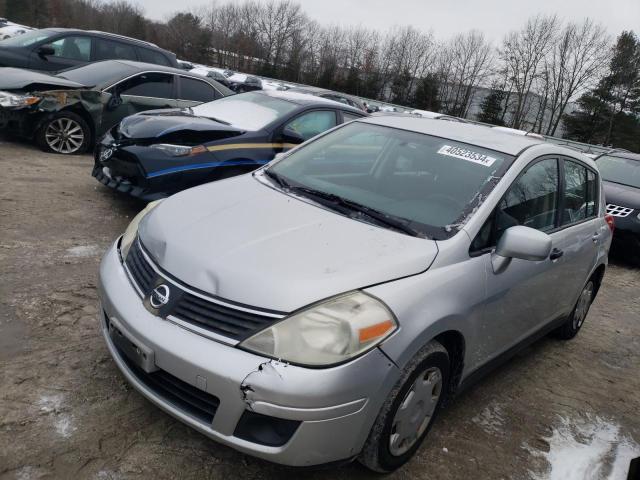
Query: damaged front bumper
{"points": [[283, 413]]}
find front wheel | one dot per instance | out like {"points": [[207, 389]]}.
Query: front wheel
{"points": [[575, 321], [409, 411], [66, 133]]}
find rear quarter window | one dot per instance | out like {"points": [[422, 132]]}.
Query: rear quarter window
{"points": [[152, 56]]}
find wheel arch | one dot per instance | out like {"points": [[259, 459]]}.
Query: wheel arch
{"points": [[598, 276], [453, 341]]}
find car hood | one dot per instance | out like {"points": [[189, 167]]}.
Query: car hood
{"points": [[622, 195], [246, 242], [30, 81], [161, 123]]}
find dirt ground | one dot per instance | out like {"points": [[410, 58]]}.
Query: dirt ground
{"points": [[558, 410]]}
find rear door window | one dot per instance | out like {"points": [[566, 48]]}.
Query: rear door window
{"points": [[151, 56], [110, 50], [579, 193], [152, 84], [196, 90]]}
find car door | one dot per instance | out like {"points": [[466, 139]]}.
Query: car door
{"points": [[579, 235], [66, 52], [522, 297], [144, 91], [192, 92]]}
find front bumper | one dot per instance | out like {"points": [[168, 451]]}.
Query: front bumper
{"points": [[336, 406]]}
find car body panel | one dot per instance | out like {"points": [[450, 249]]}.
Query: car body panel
{"points": [[289, 229]]}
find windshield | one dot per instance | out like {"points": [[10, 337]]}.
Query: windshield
{"points": [[428, 182], [248, 111], [620, 170], [27, 39]]}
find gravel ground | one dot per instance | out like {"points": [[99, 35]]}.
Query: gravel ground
{"points": [[558, 410]]}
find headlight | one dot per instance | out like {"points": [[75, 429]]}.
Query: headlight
{"points": [[179, 150], [131, 231], [10, 100], [327, 333]]}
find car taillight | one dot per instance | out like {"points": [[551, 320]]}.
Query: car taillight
{"points": [[610, 221]]}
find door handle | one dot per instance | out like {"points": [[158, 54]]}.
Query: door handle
{"points": [[595, 238], [556, 254]]}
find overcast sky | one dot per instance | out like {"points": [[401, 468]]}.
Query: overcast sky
{"points": [[443, 17]]}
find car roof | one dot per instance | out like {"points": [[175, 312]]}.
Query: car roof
{"points": [[123, 68], [301, 98], [105, 34], [621, 154], [461, 132]]}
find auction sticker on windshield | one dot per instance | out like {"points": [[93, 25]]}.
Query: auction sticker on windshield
{"points": [[466, 154]]}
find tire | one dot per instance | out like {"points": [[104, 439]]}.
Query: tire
{"points": [[384, 451], [574, 323], [65, 133]]}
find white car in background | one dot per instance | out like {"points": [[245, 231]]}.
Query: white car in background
{"points": [[9, 29]]}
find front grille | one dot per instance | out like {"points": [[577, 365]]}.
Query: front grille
{"points": [[207, 314], [222, 320], [618, 211], [143, 274], [181, 395]]}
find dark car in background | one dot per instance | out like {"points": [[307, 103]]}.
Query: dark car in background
{"points": [[350, 100], [56, 49], [621, 174], [66, 112], [154, 154], [240, 82]]}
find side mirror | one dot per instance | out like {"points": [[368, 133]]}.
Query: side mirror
{"points": [[521, 242], [291, 136], [114, 101], [45, 50]]}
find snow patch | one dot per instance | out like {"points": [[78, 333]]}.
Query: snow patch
{"points": [[490, 419], [588, 449], [62, 422], [82, 251], [30, 473]]}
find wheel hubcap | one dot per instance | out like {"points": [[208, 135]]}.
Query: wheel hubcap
{"points": [[582, 308], [415, 411], [64, 135]]}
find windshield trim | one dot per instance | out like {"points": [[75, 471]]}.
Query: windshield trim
{"points": [[431, 232]]}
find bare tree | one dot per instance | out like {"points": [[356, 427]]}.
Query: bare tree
{"points": [[579, 57], [522, 54], [465, 63]]}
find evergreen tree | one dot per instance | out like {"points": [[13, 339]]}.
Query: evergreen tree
{"points": [[491, 107], [427, 96], [609, 114]]}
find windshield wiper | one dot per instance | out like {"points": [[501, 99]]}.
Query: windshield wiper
{"points": [[348, 206], [282, 183]]}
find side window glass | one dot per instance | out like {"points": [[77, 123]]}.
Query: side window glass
{"points": [[158, 85], [313, 123], [151, 56], [195, 90], [532, 200], [592, 194], [576, 196], [73, 48], [107, 50], [349, 116]]}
